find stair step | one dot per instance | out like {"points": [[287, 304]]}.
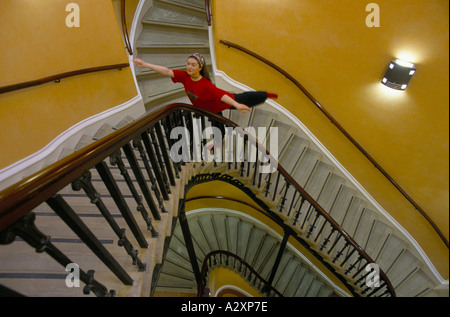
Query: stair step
{"points": [[167, 14], [167, 37], [198, 5]]}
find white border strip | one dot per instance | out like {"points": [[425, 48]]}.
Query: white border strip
{"points": [[27, 166]]}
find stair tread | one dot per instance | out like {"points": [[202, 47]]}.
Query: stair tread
{"points": [[166, 37], [175, 17]]}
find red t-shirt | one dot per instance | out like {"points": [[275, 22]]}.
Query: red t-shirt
{"points": [[203, 93]]}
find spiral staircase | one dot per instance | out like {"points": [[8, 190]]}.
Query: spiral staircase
{"points": [[173, 29]]}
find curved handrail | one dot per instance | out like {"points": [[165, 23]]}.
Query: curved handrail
{"points": [[349, 137], [124, 28], [200, 287], [21, 198], [57, 78], [208, 12]]}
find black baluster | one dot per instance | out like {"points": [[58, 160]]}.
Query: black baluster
{"points": [[141, 180], [335, 243], [327, 239], [138, 145], [84, 182], [110, 183], [73, 221], [308, 213], [160, 177], [268, 183], [165, 152], [292, 202], [283, 200], [313, 225], [276, 186], [339, 253], [154, 141], [27, 230], [116, 159], [298, 213], [353, 265]]}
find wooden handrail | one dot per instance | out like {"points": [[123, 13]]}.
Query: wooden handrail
{"points": [[208, 12], [349, 137], [21, 198], [124, 28], [57, 78]]}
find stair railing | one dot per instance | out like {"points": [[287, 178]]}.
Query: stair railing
{"points": [[208, 12], [149, 138], [222, 258], [129, 47], [57, 78], [343, 131]]}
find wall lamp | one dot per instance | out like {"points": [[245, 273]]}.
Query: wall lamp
{"points": [[398, 74]]}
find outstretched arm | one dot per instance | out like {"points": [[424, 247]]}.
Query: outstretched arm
{"points": [[159, 69], [239, 106]]}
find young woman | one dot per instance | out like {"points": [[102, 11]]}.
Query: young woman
{"points": [[202, 92]]}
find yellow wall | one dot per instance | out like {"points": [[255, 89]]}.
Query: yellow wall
{"points": [[220, 277], [327, 46], [36, 43]]}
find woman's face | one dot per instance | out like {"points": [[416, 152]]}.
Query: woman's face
{"points": [[193, 67]]}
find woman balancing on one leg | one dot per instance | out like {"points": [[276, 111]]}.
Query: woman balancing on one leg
{"points": [[202, 92]]}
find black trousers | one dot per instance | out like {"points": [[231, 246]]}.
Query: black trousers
{"points": [[248, 98], [251, 98]]}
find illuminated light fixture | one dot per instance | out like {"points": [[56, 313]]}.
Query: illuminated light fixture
{"points": [[398, 74]]}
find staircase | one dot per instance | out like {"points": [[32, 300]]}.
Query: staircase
{"points": [[172, 31], [222, 229], [298, 154], [150, 254]]}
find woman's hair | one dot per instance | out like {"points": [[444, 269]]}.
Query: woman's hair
{"points": [[202, 62]]}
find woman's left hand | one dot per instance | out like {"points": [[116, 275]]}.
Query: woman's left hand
{"points": [[242, 108]]}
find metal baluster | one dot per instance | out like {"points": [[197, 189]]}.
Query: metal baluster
{"points": [[327, 239], [283, 200], [335, 242], [73, 221], [84, 182], [141, 181], [160, 178], [339, 253], [165, 152], [116, 159], [292, 202], [298, 213], [276, 186], [27, 230], [353, 265], [138, 145], [154, 141], [308, 213], [110, 183], [313, 225]]}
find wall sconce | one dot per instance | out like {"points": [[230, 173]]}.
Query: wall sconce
{"points": [[398, 74]]}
